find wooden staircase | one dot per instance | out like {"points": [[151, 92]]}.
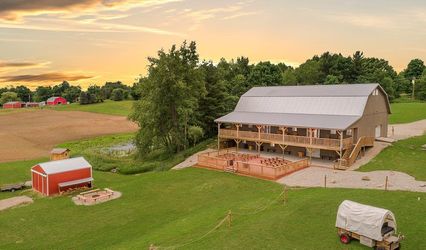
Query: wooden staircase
{"points": [[351, 154]]}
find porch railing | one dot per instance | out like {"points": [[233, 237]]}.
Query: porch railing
{"points": [[294, 140]]}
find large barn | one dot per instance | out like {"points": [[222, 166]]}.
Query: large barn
{"points": [[333, 122], [56, 100], [53, 177]]}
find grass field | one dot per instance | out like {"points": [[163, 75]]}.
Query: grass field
{"points": [[174, 207], [407, 112], [107, 107], [406, 156]]}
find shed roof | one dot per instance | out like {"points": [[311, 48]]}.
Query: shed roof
{"points": [[59, 150], [13, 102], [53, 98], [53, 167], [317, 106], [363, 219]]}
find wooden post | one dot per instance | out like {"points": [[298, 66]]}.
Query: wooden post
{"points": [[325, 181], [229, 218], [258, 131], [340, 148], [218, 138], [285, 194], [386, 183], [310, 136]]}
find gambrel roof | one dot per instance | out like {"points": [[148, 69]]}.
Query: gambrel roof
{"points": [[311, 106]]}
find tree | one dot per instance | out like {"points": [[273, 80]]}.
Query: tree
{"points": [[84, 98], [110, 86], [195, 133], [59, 90], [72, 93], [117, 94], [420, 91], [170, 99], [96, 91], [216, 102], [8, 97], [309, 72], [43, 93], [331, 79], [23, 93], [265, 74], [414, 69], [289, 77]]}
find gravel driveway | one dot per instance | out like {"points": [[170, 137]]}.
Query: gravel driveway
{"points": [[314, 177], [14, 201]]}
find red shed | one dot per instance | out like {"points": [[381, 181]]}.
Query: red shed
{"points": [[13, 105], [56, 100], [52, 177]]}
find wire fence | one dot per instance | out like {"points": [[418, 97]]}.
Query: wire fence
{"points": [[227, 218]]}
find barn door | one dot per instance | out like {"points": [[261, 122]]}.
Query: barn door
{"points": [[378, 131]]}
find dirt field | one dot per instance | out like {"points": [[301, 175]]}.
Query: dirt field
{"points": [[29, 135]]}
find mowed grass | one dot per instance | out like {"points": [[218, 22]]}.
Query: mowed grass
{"points": [[407, 112], [108, 107], [176, 207], [406, 156]]}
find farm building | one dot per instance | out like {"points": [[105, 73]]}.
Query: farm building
{"points": [[13, 105], [56, 101], [32, 104], [332, 122], [53, 177], [59, 154]]}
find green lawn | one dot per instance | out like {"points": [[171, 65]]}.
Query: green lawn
{"points": [[174, 207], [109, 107], [407, 112], [406, 156]]}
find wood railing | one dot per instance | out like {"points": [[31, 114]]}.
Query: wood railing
{"points": [[294, 140], [350, 156]]}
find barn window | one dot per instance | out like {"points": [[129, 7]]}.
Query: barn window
{"points": [[349, 132], [376, 92], [333, 131]]}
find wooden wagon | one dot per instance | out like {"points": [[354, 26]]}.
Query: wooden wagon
{"points": [[372, 226]]}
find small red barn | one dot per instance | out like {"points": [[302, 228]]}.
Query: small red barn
{"points": [[56, 100], [53, 177], [13, 105]]}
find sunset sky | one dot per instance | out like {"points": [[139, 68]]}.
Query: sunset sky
{"points": [[43, 42]]}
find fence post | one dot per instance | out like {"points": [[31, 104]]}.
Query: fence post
{"points": [[229, 218], [285, 194], [386, 183], [325, 181]]}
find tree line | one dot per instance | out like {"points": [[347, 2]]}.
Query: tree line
{"points": [[181, 95], [116, 91]]}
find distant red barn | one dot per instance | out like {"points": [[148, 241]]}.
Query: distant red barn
{"points": [[53, 177], [13, 105], [56, 100]]}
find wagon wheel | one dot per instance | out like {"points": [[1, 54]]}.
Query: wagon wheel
{"points": [[345, 239]]}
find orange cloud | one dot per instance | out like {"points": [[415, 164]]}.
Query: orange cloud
{"points": [[13, 9], [46, 77]]}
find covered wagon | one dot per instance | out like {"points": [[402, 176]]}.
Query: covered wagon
{"points": [[372, 226]]}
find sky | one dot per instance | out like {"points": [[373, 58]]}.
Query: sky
{"points": [[43, 42]]}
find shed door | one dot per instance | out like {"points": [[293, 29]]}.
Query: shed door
{"points": [[378, 130]]}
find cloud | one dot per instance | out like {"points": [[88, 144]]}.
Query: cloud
{"points": [[6, 66], [46, 77], [241, 14]]}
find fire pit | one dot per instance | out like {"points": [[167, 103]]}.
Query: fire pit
{"points": [[96, 196]]}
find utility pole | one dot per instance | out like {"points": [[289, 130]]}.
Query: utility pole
{"points": [[413, 81]]}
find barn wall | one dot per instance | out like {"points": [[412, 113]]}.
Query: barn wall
{"points": [[55, 179], [375, 113]]}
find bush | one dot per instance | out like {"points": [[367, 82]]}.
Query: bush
{"points": [[117, 94]]}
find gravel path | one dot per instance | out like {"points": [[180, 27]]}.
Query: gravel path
{"points": [[192, 160], [14, 201], [314, 177]]}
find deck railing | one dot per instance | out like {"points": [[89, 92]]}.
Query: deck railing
{"points": [[294, 140]]}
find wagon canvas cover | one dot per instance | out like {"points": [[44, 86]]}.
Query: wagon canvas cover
{"points": [[362, 219]]}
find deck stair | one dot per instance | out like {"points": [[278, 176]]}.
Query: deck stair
{"points": [[352, 153]]}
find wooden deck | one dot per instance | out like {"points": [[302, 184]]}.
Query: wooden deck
{"points": [[291, 140]]}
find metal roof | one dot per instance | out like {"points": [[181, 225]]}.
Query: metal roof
{"points": [[52, 99], [53, 167], [359, 89], [59, 150], [311, 106]]}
